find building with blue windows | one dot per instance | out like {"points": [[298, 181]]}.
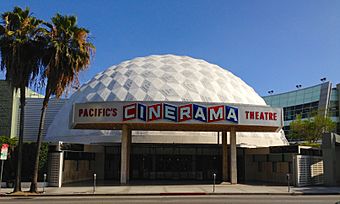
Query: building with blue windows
{"points": [[323, 98]]}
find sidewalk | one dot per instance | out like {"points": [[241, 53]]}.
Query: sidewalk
{"points": [[220, 189]]}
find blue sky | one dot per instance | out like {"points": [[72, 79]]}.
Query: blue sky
{"points": [[270, 44]]}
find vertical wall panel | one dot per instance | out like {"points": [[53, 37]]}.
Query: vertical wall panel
{"points": [[32, 116]]}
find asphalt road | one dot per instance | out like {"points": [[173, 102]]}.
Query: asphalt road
{"points": [[175, 199]]}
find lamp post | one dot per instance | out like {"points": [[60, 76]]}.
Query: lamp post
{"points": [[270, 92]]}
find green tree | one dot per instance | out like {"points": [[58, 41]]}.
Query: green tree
{"points": [[21, 54], [68, 51], [312, 128], [12, 142]]}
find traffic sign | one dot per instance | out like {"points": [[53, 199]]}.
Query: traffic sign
{"points": [[4, 152]]}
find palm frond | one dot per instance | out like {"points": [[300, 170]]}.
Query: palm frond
{"points": [[69, 53]]}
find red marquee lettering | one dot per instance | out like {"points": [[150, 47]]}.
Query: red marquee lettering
{"points": [[251, 115], [266, 113], [81, 112], [270, 116], [256, 115], [261, 116]]}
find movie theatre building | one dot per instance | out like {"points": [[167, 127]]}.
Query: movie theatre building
{"points": [[163, 118]]}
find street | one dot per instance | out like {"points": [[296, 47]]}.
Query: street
{"points": [[176, 199]]}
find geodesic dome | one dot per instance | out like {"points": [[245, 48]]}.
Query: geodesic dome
{"points": [[161, 78]]}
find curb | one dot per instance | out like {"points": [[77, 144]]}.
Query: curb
{"points": [[165, 194]]}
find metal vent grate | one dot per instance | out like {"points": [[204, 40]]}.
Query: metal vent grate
{"points": [[54, 171], [309, 170]]}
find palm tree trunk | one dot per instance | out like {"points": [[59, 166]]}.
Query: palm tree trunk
{"points": [[17, 186], [34, 181]]}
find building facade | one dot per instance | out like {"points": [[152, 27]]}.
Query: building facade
{"points": [[10, 108], [156, 154], [322, 98]]}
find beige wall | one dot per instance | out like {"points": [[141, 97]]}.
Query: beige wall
{"points": [[252, 172], [84, 172], [71, 174]]}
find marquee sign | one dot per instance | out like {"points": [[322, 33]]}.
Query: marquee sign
{"points": [[175, 113]]}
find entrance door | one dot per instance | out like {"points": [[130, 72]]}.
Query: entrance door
{"points": [[112, 163], [175, 162]]}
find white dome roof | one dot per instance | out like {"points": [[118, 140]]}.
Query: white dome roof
{"points": [[167, 78], [154, 78]]}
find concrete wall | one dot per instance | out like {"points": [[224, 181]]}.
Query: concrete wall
{"points": [[265, 173], [82, 170], [71, 173], [331, 161], [253, 174]]}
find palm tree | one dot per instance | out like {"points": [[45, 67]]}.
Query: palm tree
{"points": [[20, 35], [68, 52]]}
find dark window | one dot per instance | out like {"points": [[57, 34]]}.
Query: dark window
{"points": [[77, 165], [298, 107], [259, 166], [290, 167], [79, 155], [90, 165], [274, 166], [305, 110]]}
